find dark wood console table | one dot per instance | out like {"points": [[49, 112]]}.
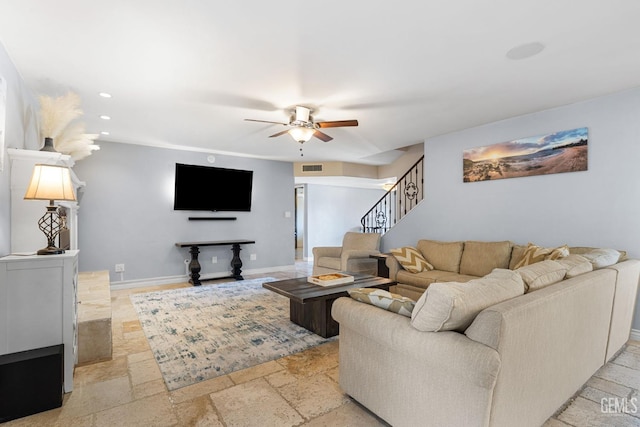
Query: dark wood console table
{"points": [[194, 265]]}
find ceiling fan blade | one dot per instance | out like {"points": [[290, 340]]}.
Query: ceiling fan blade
{"points": [[322, 136], [278, 134], [337, 123], [267, 121]]}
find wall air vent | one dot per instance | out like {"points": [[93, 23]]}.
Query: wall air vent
{"points": [[312, 168]]}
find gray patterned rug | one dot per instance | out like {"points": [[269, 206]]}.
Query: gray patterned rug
{"points": [[202, 332]]}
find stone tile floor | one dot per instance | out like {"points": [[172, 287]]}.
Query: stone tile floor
{"points": [[301, 389], [610, 398]]}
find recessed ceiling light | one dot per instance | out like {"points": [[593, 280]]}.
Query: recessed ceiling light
{"points": [[105, 117], [105, 95], [104, 133], [526, 50]]}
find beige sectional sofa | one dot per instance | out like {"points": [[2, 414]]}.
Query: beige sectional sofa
{"points": [[454, 262], [516, 362]]}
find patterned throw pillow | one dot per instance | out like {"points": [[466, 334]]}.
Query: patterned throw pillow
{"points": [[411, 259], [535, 253], [383, 299]]}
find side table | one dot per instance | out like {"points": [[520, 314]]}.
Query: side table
{"points": [[383, 270]]}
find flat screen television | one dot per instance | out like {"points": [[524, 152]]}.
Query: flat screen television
{"points": [[205, 188]]}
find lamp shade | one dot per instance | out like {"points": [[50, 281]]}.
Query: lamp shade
{"points": [[302, 134], [50, 182]]}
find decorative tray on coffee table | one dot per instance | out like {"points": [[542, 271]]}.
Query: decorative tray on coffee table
{"points": [[332, 279]]}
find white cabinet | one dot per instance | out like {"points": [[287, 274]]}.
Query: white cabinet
{"points": [[38, 305]]}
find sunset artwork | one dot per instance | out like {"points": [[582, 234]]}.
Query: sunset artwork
{"points": [[564, 151]]}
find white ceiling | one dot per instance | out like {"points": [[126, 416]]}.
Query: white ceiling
{"points": [[186, 73]]}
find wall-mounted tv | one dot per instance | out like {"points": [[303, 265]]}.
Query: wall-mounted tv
{"points": [[205, 188]]}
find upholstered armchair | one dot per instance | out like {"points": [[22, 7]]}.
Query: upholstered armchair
{"points": [[352, 256]]}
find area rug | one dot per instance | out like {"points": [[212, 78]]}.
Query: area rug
{"points": [[202, 332]]}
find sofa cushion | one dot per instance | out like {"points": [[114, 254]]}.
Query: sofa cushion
{"points": [[361, 241], [601, 258], [480, 258], [425, 278], [541, 274], [453, 306], [575, 265], [535, 253], [330, 262], [411, 259], [383, 299], [420, 280], [516, 255], [455, 277], [443, 256]]}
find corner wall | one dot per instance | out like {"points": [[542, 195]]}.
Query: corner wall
{"points": [[599, 207]]}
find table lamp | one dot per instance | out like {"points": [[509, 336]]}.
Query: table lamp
{"points": [[50, 182]]}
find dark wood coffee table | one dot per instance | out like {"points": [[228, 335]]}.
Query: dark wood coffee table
{"points": [[310, 304]]}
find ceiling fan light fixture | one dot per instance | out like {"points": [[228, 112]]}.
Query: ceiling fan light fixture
{"points": [[302, 114], [301, 134]]}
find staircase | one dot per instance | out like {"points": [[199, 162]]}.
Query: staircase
{"points": [[397, 202]]}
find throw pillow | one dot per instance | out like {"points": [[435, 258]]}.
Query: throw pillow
{"points": [[601, 258], [452, 306], [383, 299], [541, 274], [535, 253], [411, 260], [559, 252], [581, 250], [516, 255]]}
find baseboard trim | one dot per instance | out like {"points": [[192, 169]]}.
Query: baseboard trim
{"points": [[170, 280], [153, 281], [635, 334]]}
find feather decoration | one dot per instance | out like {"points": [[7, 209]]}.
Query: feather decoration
{"points": [[83, 152], [57, 113], [74, 141]]}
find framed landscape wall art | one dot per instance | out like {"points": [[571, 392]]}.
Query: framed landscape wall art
{"points": [[563, 151]]}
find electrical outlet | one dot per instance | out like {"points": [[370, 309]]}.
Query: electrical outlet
{"points": [[214, 260], [253, 257], [119, 268]]}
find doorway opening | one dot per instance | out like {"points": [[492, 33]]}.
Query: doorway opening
{"points": [[299, 231]]}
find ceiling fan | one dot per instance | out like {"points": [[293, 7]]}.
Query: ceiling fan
{"points": [[302, 127]]}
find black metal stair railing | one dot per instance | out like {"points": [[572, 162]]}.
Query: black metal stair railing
{"points": [[397, 202]]}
